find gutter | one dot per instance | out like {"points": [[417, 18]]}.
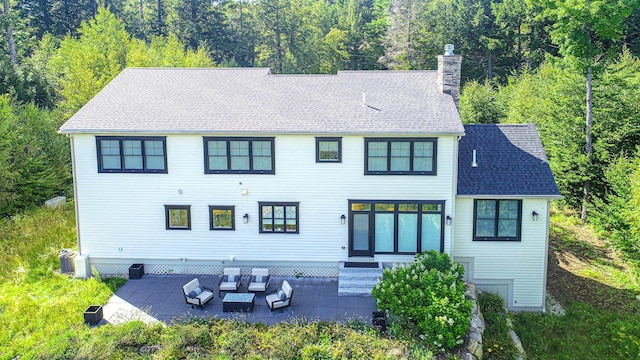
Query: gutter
{"points": [[522, 196]]}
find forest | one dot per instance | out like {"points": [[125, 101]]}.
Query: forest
{"points": [[571, 67]]}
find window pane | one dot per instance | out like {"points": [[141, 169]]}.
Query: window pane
{"points": [[384, 232], [217, 155], [431, 231], [178, 218], [222, 218], [485, 228], [261, 155], [360, 207], [423, 156], [239, 155], [407, 233], [110, 150], [267, 212], [267, 218], [507, 228], [360, 231], [400, 156], [431, 207], [508, 209], [377, 153], [422, 164], [132, 150], [292, 225], [291, 212], [278, 225], [408, 207], [328, 150], [486, 209], [385, 207]]}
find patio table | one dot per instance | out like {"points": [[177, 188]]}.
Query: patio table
{"points": [[238, 302]]}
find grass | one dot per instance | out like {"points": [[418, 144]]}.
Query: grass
{"points": [[41, 314], [41, 310], [600, 295], [39, 307]]}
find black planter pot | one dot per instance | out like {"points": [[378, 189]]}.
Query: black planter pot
{"points": [[93, 315], [136, 271], [380, 320]]}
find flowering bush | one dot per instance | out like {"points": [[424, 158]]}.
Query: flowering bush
{"points": [[428, 299]]}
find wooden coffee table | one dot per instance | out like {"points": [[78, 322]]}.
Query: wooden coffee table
{"points": [[238, 302]]}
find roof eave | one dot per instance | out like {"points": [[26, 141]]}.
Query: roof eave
{"points": [[510, 196], [281, 132]]}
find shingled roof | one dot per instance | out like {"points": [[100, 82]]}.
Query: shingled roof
{"points": [[250, 100], [510, 162]]}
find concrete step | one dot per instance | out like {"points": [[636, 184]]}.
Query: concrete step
{"points": [[355, 292], [361, 271], [357, 281], [343, 284]]}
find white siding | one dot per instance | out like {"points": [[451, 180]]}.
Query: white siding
{"points": [[122, 216], [498, 262]]}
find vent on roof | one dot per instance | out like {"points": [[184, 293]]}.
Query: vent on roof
{"points": [[474, 163]]}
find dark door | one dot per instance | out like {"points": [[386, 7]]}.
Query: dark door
{"points": [[360, 239]]}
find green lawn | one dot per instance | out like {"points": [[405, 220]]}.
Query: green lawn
{"points": [[601, 296], [41, 310], [41, 314]]}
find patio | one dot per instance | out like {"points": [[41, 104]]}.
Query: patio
{"points": [[161, 297]]}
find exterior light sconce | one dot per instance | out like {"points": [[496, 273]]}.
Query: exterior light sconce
{"points": [[343, 219], [245, 218], [534, 216], [448, 220]]}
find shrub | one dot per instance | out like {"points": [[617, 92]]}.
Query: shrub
{"points": [[497, 343], [427, 297], [490, 302]]}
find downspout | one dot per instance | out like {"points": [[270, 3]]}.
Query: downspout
{"points": [[546, 257], [75, 192]]}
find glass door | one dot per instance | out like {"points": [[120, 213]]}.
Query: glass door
{"points": [[360, 239]]}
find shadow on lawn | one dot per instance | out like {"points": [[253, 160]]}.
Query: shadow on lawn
{"points": [[567, 287]]}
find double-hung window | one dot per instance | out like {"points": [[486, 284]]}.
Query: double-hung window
{"points": [[178, 217], [497, 220], [400, 156], [239, 155], [131, 154], [328, 150], [279, 217]]}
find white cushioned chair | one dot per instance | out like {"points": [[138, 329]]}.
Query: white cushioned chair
{"points": [[259, 280], [230, 280], [280, 299], [196, 294]]}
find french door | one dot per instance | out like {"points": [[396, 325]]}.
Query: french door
{"points": [[395, 227]]}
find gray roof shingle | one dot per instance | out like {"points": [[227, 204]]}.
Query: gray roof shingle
{"points": [[251, 100], [510, 159]]}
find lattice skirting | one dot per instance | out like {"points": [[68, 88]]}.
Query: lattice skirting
{"points": [[118, 268]]}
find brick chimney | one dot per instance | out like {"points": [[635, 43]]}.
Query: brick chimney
{"points": [[449, 73]]}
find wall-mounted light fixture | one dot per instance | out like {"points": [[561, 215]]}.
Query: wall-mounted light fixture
{"points": [[343, 219], [448, 220], [245, 218], [534, 216]]}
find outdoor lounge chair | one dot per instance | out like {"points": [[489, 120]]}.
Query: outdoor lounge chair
{"points": [[280, 299], [196, 294], [230, 280], [259, 280]]}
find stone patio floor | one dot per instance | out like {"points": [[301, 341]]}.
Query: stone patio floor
{"points": [[160, 298]]}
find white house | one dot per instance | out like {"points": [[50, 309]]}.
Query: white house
{"points": [[191, 170]]}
